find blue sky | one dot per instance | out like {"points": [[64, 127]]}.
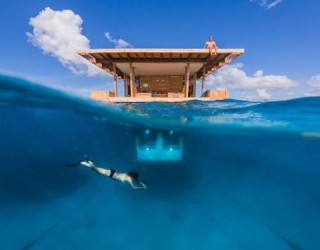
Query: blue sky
{"points": [[280, 38]]}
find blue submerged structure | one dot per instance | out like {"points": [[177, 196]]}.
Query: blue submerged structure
{"points": [[159, 145]]}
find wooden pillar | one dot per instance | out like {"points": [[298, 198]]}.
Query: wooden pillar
{"points": [[194, 84], [186, 82], [115, 83], [132, 81], [203, 78], [125, 85]]}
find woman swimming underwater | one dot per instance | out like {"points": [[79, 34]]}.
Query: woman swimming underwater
{"points": [[131, 178]]}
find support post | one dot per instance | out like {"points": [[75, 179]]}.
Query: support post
{"points": [[125, 85], [194, 84], [186, 82], [203, 78], [115, 83], [132, 80]]}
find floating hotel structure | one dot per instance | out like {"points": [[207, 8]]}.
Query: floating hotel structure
{"points": [[159, 75], [163, 75]]}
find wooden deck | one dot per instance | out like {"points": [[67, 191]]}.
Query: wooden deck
{"points": [[152, 99], [108, 96]]}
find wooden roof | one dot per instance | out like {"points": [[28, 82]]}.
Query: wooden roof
{"points": [[159, 61]]}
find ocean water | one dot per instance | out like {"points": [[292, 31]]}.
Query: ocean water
{"points": [[249, 176]]}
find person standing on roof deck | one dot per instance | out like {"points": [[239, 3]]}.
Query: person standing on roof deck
{"points": [[132, 178], [211, 45]]}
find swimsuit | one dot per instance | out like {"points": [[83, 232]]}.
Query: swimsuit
{"points": [[112, 172]]}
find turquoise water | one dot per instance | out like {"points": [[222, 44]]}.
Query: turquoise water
{"points": [[249, 177]]}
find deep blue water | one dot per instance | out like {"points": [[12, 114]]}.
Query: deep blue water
{"points": [[249, 177]]}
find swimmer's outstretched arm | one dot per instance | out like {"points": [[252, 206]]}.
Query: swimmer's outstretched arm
{"points": [[143, 186]]}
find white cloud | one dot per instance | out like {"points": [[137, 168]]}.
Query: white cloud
{"points": [[59, 34], [314, 82], [256, 87], [118, 43], [268, 4], [263, 94], [311, 87], [233, 77]]}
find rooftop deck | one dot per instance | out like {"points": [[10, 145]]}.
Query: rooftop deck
{"points": [[153, 61]]}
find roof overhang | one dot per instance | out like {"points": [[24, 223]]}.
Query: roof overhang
{"points": [[160, 61]]}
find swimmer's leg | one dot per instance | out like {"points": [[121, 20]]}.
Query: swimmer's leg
{"points": [[73, 165], [90, 164], [102, 171], [86, 163]]}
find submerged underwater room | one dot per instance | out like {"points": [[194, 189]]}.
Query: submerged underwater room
{"points": [[223, 174]]}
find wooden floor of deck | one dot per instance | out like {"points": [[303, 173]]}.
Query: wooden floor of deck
{"points": [[152, 99]]}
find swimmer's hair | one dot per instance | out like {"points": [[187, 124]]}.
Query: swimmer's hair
{"points": [[133, 174]]}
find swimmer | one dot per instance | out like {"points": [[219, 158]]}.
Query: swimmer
{"points": [[131, 178]]}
